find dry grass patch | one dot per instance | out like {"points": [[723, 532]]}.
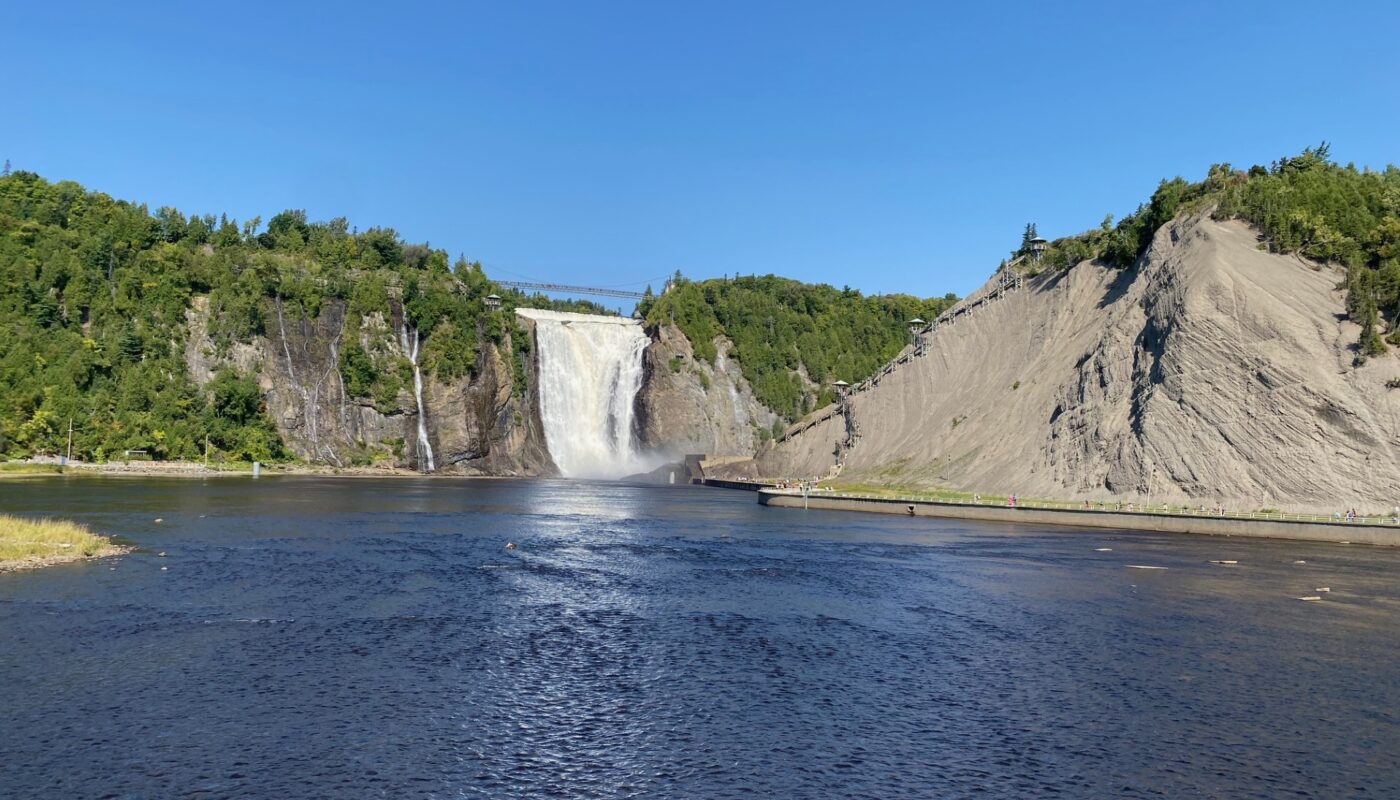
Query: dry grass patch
{"points": [[28, 543], [21, 468]]}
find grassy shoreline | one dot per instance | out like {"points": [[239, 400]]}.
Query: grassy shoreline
{"points": [[32, 543], [24, 468], [196, 469]]}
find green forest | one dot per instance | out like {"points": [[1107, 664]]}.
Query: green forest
{"points": [[1305, 204], [782, 330], [93, 300], [95, 293]]}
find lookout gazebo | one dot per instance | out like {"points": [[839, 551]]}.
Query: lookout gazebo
{"points": [[1037, 248], [915, 325]]}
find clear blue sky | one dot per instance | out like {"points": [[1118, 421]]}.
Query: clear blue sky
{"points": [[888, 146]]}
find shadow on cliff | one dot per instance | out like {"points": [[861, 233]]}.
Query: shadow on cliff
{"points": [[1120, 285]]}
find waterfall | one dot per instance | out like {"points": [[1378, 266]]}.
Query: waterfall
{"points": [[736, 401], [590, 370], [425, 448]]}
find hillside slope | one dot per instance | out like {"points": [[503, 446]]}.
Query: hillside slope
{"points": [[790, 340], [1210, 372]]}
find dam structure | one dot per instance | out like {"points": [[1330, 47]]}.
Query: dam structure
{"points": [[590, 369]]}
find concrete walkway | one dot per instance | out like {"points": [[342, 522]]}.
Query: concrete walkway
{"points": [[1257, 525]]}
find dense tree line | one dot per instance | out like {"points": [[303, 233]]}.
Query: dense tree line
{"points": [[94, 294], [791, 339]]}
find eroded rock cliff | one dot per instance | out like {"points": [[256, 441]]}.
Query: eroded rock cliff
{"points": [[478, 424], [687, 405], [1211, 372]]}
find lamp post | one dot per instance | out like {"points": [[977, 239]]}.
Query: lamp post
{"points": [[1151, 487]]}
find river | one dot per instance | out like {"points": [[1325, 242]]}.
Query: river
{"points": [[374, 638]]}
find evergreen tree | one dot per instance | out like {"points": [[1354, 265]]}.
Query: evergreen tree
{"points": [[1026, 237]]}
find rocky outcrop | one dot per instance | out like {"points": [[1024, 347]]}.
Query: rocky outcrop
{"points": [[1212, 372], [475, 425], [481, 427], [688, 405]]}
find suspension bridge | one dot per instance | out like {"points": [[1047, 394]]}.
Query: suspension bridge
{"points": [[563, 289], [602, 291]]}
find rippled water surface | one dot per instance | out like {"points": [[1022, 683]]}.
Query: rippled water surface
{"points": [[366, 638]]}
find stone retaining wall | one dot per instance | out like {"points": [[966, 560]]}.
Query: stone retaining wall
{"points": [[1120, 520]]}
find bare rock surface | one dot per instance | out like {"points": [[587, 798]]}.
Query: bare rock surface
{"points": [[687, 405], [476, 425], [1212, 372]]}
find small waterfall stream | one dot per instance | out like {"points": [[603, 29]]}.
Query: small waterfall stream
{"points": [[425, 447], [590, 370]]}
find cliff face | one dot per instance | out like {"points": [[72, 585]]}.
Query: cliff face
{"points": [[482, 424], [688, 406], [1210, 373], [476, 425]]}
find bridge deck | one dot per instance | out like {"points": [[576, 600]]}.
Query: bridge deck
{"points": [[565, 289]]}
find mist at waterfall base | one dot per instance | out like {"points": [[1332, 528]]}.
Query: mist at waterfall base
{"points": [[590, 369]]}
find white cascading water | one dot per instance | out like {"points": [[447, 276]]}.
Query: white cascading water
{"points": [[425, 448], [590, 371]]}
